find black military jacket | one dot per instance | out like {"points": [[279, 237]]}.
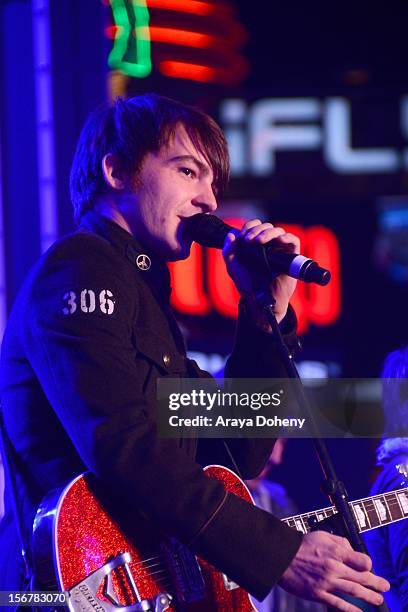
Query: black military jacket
{"points": [[87, 339]]}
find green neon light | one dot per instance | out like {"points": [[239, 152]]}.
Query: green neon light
{"points": [[142, 66]]}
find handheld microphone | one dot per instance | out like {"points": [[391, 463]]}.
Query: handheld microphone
{"points": [[210, 231]]}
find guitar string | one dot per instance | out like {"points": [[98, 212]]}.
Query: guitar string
{"points": [[152, 565], [166, 575], [150, 559], [159, 572], [148, 567], [158, 558]]}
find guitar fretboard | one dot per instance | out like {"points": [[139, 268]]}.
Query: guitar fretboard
{"points": [[370, 512]]}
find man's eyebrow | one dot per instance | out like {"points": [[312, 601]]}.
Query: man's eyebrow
{"points": [[190, 158]]}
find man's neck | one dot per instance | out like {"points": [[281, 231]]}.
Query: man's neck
{"points": [[106, 209]]}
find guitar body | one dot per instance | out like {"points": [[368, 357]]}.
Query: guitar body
{"points": [[106, 561], [106, 567]]}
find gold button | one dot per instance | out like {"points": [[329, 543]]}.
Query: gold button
{"points": [[166, 359]]}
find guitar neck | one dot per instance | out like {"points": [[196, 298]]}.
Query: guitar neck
{"points": [[370, 512]]}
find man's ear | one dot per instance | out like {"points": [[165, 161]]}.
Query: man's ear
{"points": [[113, 173]]}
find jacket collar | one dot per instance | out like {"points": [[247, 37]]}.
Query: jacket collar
{"points": [[151, 268]]}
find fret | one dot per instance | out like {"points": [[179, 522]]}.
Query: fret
{"points": [[293, 523], [319, 515], [300, 526], [305, 523], [371, 513], [290, 521], [395, 510], [363, 505], [383, 497], [299, 523], [381, 510], [316, 514], [374, 508], [360, 515], [403, 501]]}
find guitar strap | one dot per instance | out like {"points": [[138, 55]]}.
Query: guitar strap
{"points": [[7, 454], [231, 457]]}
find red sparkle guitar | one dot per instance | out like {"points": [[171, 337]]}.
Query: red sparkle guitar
{"points": [[79, 548]]}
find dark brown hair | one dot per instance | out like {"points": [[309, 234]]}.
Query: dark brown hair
{"points": [[132, 128]]}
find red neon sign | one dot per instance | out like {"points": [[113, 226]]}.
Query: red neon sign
{"points": [[197, 292], [197, 40]]}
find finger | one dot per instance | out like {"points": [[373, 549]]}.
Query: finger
{"points": [[358, 590], [230, 243], [357, 560], [367, 578], [231, 236], [343, 551], [249, 225], [266, 231], [289, 240], [337, 603]]}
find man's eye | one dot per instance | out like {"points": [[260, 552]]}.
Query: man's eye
{"points": [[188, 172]]}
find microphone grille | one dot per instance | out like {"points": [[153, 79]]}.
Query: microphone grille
{"points": [[207, 230]]}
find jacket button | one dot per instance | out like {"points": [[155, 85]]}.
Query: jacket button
{"points": [[166, 359]]}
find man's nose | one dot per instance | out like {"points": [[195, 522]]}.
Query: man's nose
{"points": [[206, 200]]}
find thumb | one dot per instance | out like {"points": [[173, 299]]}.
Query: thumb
{"points": [[230, 244]]}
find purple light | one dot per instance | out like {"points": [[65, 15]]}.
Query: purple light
{"points": [[3, 293], [45, 124]]}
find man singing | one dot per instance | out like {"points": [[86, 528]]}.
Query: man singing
{"points": [[92, 331]]}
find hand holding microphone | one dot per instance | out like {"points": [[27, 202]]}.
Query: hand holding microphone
{"points": [[258, 255], [211, 231]]}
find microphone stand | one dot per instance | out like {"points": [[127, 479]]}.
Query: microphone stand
{"points": [[332, 486]]}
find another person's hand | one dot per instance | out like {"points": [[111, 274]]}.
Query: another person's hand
{"points": [[281, 287], [326, 567]]}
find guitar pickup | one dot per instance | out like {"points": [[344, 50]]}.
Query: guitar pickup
{"points": [[185, 571]]}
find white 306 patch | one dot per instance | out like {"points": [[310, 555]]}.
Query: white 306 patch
{"points": [[87, 302]]}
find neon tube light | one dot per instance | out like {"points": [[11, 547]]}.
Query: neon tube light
{"points": [[142, 66]]}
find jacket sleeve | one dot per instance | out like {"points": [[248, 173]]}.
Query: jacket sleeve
{"points": [[78, 338], [254, 353], [255, 356]]}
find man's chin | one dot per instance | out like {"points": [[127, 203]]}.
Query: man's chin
{"points": [[181, 252]]}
